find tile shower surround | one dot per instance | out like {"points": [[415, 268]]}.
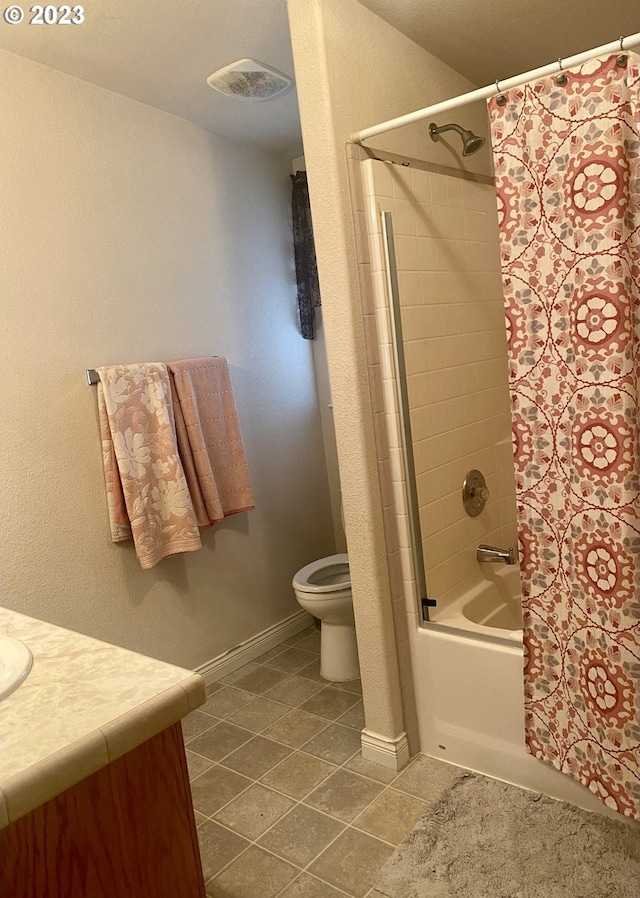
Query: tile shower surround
{"points": [[284, 804], [448, 263]]}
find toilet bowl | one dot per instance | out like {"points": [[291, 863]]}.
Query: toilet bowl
{"points": [[323, 588]]}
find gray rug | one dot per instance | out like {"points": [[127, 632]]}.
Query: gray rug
{"points": [[486, 839]]}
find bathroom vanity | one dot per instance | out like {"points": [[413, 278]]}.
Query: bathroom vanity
{"points": [[95, 797]]}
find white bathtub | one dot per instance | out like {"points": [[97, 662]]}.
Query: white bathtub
{"points": [[492, 608], [469, 690]]}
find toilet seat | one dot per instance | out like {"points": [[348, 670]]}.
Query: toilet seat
{"points": [[327, 575], [323, 589]]}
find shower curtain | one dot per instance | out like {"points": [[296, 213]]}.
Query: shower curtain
{"points": [[567, 160]]}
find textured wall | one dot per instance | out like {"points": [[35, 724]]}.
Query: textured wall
{"points": [[345, 84], [132, 235]]}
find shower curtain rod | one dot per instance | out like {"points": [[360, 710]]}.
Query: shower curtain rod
{"points": [[623, 43]]}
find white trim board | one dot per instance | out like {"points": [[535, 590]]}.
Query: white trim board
{"points": [[241, 654], [391, 753]]}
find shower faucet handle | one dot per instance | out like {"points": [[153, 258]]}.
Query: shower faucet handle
{"points": [[474, 493], [490, 553]]}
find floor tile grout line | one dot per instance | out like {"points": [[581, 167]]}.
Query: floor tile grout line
{"points": [[312, 655], [351, 822], [300, 748], [253, 781], [300, 869], [329, 722], [270, 851], [289, 708], [248, 705], [283, 744], [373, 835], [284, 704], [319, 879], [266, 694], [312, 789], [322, 683], [306, 868], [297, 801], [228, 864], [302, 801]]}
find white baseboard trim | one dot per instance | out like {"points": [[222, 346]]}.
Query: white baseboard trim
{"points": [[231, 660], [391, 753]]}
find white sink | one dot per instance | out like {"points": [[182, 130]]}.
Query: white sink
{"points": [[15, 664]]}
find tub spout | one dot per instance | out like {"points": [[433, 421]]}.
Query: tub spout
{"points": [[490, 553]]}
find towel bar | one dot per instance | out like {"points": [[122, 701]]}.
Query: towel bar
{"points": [[93, 377]]}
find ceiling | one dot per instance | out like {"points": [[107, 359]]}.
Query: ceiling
{"points": [[161, 53]]}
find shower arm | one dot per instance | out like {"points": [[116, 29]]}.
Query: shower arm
{"points": [[436, 130]]}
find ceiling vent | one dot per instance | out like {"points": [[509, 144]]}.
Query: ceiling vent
{"points": [[248, 79]]}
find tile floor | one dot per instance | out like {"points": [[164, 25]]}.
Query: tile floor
{"points": [[284, 804]]}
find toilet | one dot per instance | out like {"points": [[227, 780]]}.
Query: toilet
{"points": [[323, 588]]}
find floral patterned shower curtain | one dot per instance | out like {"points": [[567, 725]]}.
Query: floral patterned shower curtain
{"points": [[567, 160]]}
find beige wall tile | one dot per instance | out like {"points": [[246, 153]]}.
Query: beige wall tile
{"points": [[401, 181], [405, 216], [421, 185], [456, 364], [411, 286], [454, 192], [429, 287], [438, 189], [407, 258], [382, 179]]}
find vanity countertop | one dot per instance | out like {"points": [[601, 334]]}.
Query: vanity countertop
{"points": [[84, 704]]}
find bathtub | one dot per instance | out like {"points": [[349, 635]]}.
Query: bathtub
{"points": [[467, 663], [492, 608]]}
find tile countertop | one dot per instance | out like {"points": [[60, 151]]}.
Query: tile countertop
{"points": [[84, 704]]}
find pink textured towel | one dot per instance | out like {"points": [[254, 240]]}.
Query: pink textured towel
{"points": [[147, 491], [209, 439]]}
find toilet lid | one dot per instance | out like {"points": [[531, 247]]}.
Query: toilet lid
{"points": [[325, 575]]}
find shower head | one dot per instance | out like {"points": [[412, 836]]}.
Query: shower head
{"points": [[471, 143]]}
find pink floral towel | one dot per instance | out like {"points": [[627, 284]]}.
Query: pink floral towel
{"points": [[209, 439], [147, 491]]}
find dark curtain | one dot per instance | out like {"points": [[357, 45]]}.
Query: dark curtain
{"points": [[305, 256]]}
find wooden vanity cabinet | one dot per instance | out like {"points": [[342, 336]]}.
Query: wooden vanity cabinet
{"points": [[126, 831]]}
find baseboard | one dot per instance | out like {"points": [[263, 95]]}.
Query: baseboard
{"points": [[231, 660], [391, 753]]}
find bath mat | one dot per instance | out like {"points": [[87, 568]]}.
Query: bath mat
{"points": [[486, 839]]}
